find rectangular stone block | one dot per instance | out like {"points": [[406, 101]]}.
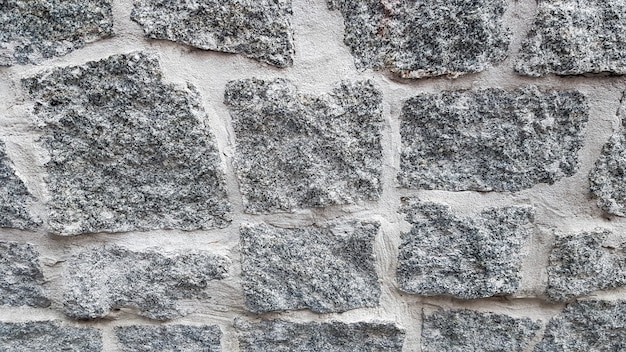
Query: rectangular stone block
{"points": [[49, 336], [21, 278], [14, 197], [169, 338]]}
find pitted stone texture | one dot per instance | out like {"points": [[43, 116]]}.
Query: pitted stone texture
{"points": [[585, 326], [259, 29], [463, 257], [417, 39], [106, 278], [491, 140], [49, 336], [34, 30], [21, 277], [326, 269], [572, 37], [582, 263], [128, 150], [169, 338], [466, 330], [14, 197], [284, 336], [295, 150], [606, 179]]}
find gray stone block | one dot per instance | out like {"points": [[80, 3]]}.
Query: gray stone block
{"points": [[102, 279], [49, 336], [259, 29], [128, 150], [416, 39], [31, 31], [328, 268], [585, 326], [14, 197], [572, 37], [606, 179], [21, 277], [169, 338], [468, 258], [296, 150], [492, 139], [582, 263], [466, 330], [285, 336]]}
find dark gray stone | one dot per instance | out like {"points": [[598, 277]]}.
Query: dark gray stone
{"points": [[582, 263], [285, 336], [21, 277], [295, 150], [259, 29], [34, 30], [328, 268], [492, 139], [416, 39], [572, 37], [466, 330], [169, 338], [106, 278], [606, 179], [14, 197], [463, 257], [128, 150], [49, 336], [585, 326]]}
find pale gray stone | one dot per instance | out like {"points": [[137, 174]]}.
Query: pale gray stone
{"points": [[606, 179], [21, 277], [492, 139], [169, 338], [301, 151], [14, 197], [49, 336]]}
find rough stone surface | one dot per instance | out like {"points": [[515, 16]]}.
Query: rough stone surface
{"points": [[128, 151], [259, 29], [582, 263], [466, 330], [463, 257], [326, 269], [295, 150], [34, 30], [49, 336], [571, 37], [21, 276], [491, 140], [169, 338], [585, 326], [427, 38], [14, 197], [606, 179], [106, 278], [281, 335]]}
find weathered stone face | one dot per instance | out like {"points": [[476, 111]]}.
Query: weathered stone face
{"points": [[299, 151], [21, 277], [606, 179], [14, 197], [325, 269], [260, 29], [112, 277], [34, 30], [48, 336], [572, 37], [491, 140], [463, 257], [169, 338], [466, 330], [416, 39], [128, 151]]}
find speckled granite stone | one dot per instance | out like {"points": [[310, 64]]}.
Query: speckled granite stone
{"points": [[571, 37], [285, 336], [585, 326], [128, 150], [466, 330], [468, 258], [328, 268], [299, 151], [259, 29], [14, 197], [169, 338], [111, 277], [34, 30], [606, 179], [21, 277], [416, 39], [49, 336], [492, 139]]}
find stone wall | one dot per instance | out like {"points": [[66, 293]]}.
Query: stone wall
{"points": [[311, 175]]}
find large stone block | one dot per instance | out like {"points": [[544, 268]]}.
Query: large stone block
{"points": [[606, 179], [49, 336], [492, 139], [169, 338], [14, 197], [296, 150], [21, 277]]}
